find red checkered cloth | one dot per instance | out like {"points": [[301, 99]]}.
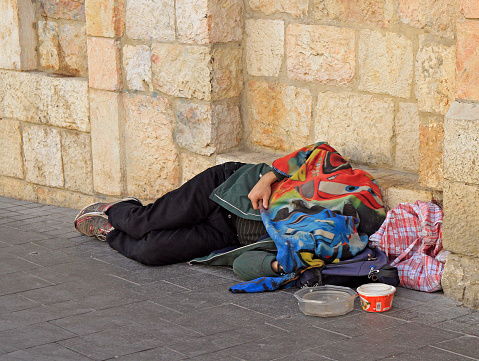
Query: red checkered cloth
{"points": [[411, 236]]}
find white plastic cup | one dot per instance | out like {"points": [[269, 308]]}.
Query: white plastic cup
{"points": [[376, 297]]}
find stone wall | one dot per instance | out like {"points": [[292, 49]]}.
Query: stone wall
{"points": [[105, 98]]}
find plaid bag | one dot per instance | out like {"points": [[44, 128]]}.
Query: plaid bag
{"points": [[411, 236]]}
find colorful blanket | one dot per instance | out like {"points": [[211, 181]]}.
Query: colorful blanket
{"points": [[323, 211]]}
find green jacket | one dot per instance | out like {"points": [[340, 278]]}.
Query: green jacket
{"points": [[232, 194]]}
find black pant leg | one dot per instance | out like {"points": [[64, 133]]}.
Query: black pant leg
{"points": [[164, 247], [190, 204]]}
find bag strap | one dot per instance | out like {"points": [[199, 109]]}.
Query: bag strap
{"points": [[404, 254]]}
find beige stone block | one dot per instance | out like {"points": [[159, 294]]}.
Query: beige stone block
{"points": [[340, 117], [105, 141], [11, 159], [152, 165], [296, 8], [195, 129], [437, 17], [42, 155], [105, 17], [407, 137], [459, 279], [431, 144], [63, 198], [279, 115], [385, 63], [467, 60], [374, 12], [104, 66], [151, 20], [193, 165], [206, 21], [21, 95], [435, 76], [19, 189], [229, 125], [470, 9], [137, 65], [460, 212], [394, 195], [461, 151], [325, 54], [247, 156], [63, 48], [63, 9], [227, 72], [65, 102], [18, 39], [264, 46], [77, 161], [48, 45], [205, 128], [182, 70], [225, 20]]}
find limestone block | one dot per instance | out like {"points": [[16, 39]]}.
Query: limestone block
{"points": [[205, 128], [21, 95], [229, 125], [296, 8], [341, 117], [17, 35], [73, 49], [137, 65], [437, 17], [247, 157], [77, 163], [279, 115], [470, 9], [48, 45], [459, 279], [42, 155], [63, 48], [105, 17], [225, 20], [461, 139], [151, 20], [19, 189], [104, 67], [182, 70], [206, 21], [435, 76], [63, 9], [374, 12], [460, 213], [385, 63], [431, 144], [195, 129], [63, 198], [65, 102], [264, 46], [320, 53], [11, 162], [193, 165], [152, 165], [227, 72], [407, 137], [36, 97], [105, 141], [467, 60], [395, 195]]}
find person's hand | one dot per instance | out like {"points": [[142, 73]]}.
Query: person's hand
{"points": [[259, 195]]}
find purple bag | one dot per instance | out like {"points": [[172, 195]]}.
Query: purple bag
{"points": [[370, 265]]}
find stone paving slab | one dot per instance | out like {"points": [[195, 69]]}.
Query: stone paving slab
{"points": [[64, 296]]}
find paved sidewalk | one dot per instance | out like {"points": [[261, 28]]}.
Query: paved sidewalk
{"points": [[64, 296]]}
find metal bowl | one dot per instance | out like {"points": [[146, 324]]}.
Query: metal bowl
{"points": [[325, 301]]}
